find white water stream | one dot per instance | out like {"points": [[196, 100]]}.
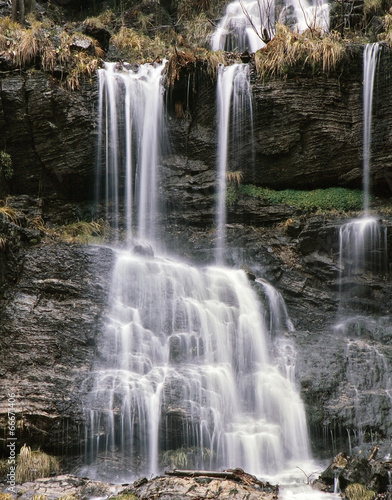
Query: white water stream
{"points": [[371, 56], [186, 352], [129, 139], [363, 242], [187, 373], [234, 105]]}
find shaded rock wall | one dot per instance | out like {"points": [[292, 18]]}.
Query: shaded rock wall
{"points": [[47, 130], [52, 307], [307, 133]]}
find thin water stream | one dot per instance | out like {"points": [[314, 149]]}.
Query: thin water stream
{"points": [[234, 107]]}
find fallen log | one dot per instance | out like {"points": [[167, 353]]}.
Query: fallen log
{"points": [[237, 475], [199, 473]]}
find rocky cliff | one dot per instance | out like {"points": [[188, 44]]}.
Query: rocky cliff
{"points": [[307, 133]]}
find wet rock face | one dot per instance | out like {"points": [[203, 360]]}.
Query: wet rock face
{"points": [[48, 132], [51, 319]]}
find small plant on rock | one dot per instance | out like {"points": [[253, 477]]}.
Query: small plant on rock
{"points": [[6, 165], [357, 491]]}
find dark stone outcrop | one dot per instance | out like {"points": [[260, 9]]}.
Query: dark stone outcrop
{"points": [[53, 298], [356, 470], [307, 133], [48, 132], [296, 141]]}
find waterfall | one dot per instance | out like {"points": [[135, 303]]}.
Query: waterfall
{"points": [[249, 24], [234, 102], [187, 373], [184, 368], [129, 135], [235, 30], [363, 242], [370, 59]]}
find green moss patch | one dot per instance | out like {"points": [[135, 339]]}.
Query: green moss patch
{"points": [[331, 199]]}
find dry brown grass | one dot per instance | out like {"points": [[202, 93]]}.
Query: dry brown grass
{"points": [[11, 213], [214, 59], [357, 491], [386, 36], [198, 30], [34, 464], [135, 46], [178, 59], [107, 19], [83, 64], [185, 56], [77, 232], [81, 231], [45, 46], [311, 48], [235, 177]]}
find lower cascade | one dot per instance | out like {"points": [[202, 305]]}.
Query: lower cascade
{"points": [[184, 377]]}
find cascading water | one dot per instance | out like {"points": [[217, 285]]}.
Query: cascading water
{"points": [[185, 365], [183, 375], [130, 114], [234, 107], [363, 252], [249, 24], [235, 30], [363, 242], [362, 248]]}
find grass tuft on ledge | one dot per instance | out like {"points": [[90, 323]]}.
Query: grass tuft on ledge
{"points": [[288, 49]]}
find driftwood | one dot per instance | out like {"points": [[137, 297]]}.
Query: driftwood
{"points": [[237, 475], [373, 453]]}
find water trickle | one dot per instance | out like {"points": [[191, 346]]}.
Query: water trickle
{"points": [[362, 248], [278, 319], [234, 100], [129, 135]]}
